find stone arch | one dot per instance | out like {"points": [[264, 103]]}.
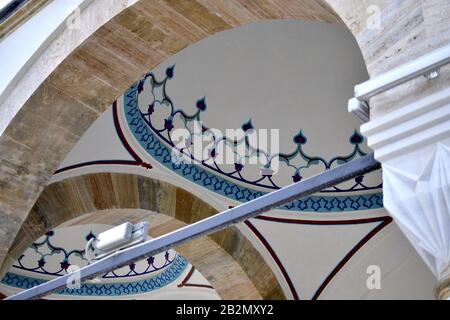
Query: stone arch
{"points": [[101, 193], [91, 77], [64, 105]]}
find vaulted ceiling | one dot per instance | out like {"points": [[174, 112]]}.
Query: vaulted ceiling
{"points": [[97, 72], [342, 232], [297, 82]]}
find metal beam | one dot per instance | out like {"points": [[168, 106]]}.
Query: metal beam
{"points": [[206, 226]]}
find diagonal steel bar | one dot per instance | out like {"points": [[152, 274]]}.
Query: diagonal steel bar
{"points": [[206, 226]]}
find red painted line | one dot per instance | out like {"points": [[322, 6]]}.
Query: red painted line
{"points": [[186, 279], [324, 222], [198, 285], [275, 258], [349, 255], [99, 162], [122, 136], [137, 160], [385, 220], [188, 276]]}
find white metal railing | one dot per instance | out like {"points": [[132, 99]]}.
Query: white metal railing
{"points": [[427, 65]]}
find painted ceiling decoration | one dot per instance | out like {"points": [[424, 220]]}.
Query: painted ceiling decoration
{"points": [[151, 109], [47, 259], [109, 289], [186, 281], [158, 146], [159, 151], [45, 249], [258, 82], [380, 224], [159, 103]]}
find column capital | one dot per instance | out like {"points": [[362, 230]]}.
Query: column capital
{"points": [[413, 127], [413, 146]]}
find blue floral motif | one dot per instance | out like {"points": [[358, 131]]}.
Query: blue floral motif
{"points": [[173, 272]]}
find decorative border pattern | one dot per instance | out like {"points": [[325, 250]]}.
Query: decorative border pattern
{"points": [[51, 250], [169, 275], [47, 246], [194, 173], [160, 102], [185, 282]]}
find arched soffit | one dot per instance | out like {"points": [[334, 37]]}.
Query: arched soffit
{"points": [[63, 107], [258, 84], [94, 74], [182, 25], [63, 26], [74, 197], [55, 117]]}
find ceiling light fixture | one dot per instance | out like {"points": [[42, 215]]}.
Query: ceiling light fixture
{"points": [[115, 239]]}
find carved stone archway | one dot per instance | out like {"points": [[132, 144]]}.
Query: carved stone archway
{"points": [[104, 193], [62, 107]]}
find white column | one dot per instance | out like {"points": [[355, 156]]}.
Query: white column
{"points": [[413, 146]]}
